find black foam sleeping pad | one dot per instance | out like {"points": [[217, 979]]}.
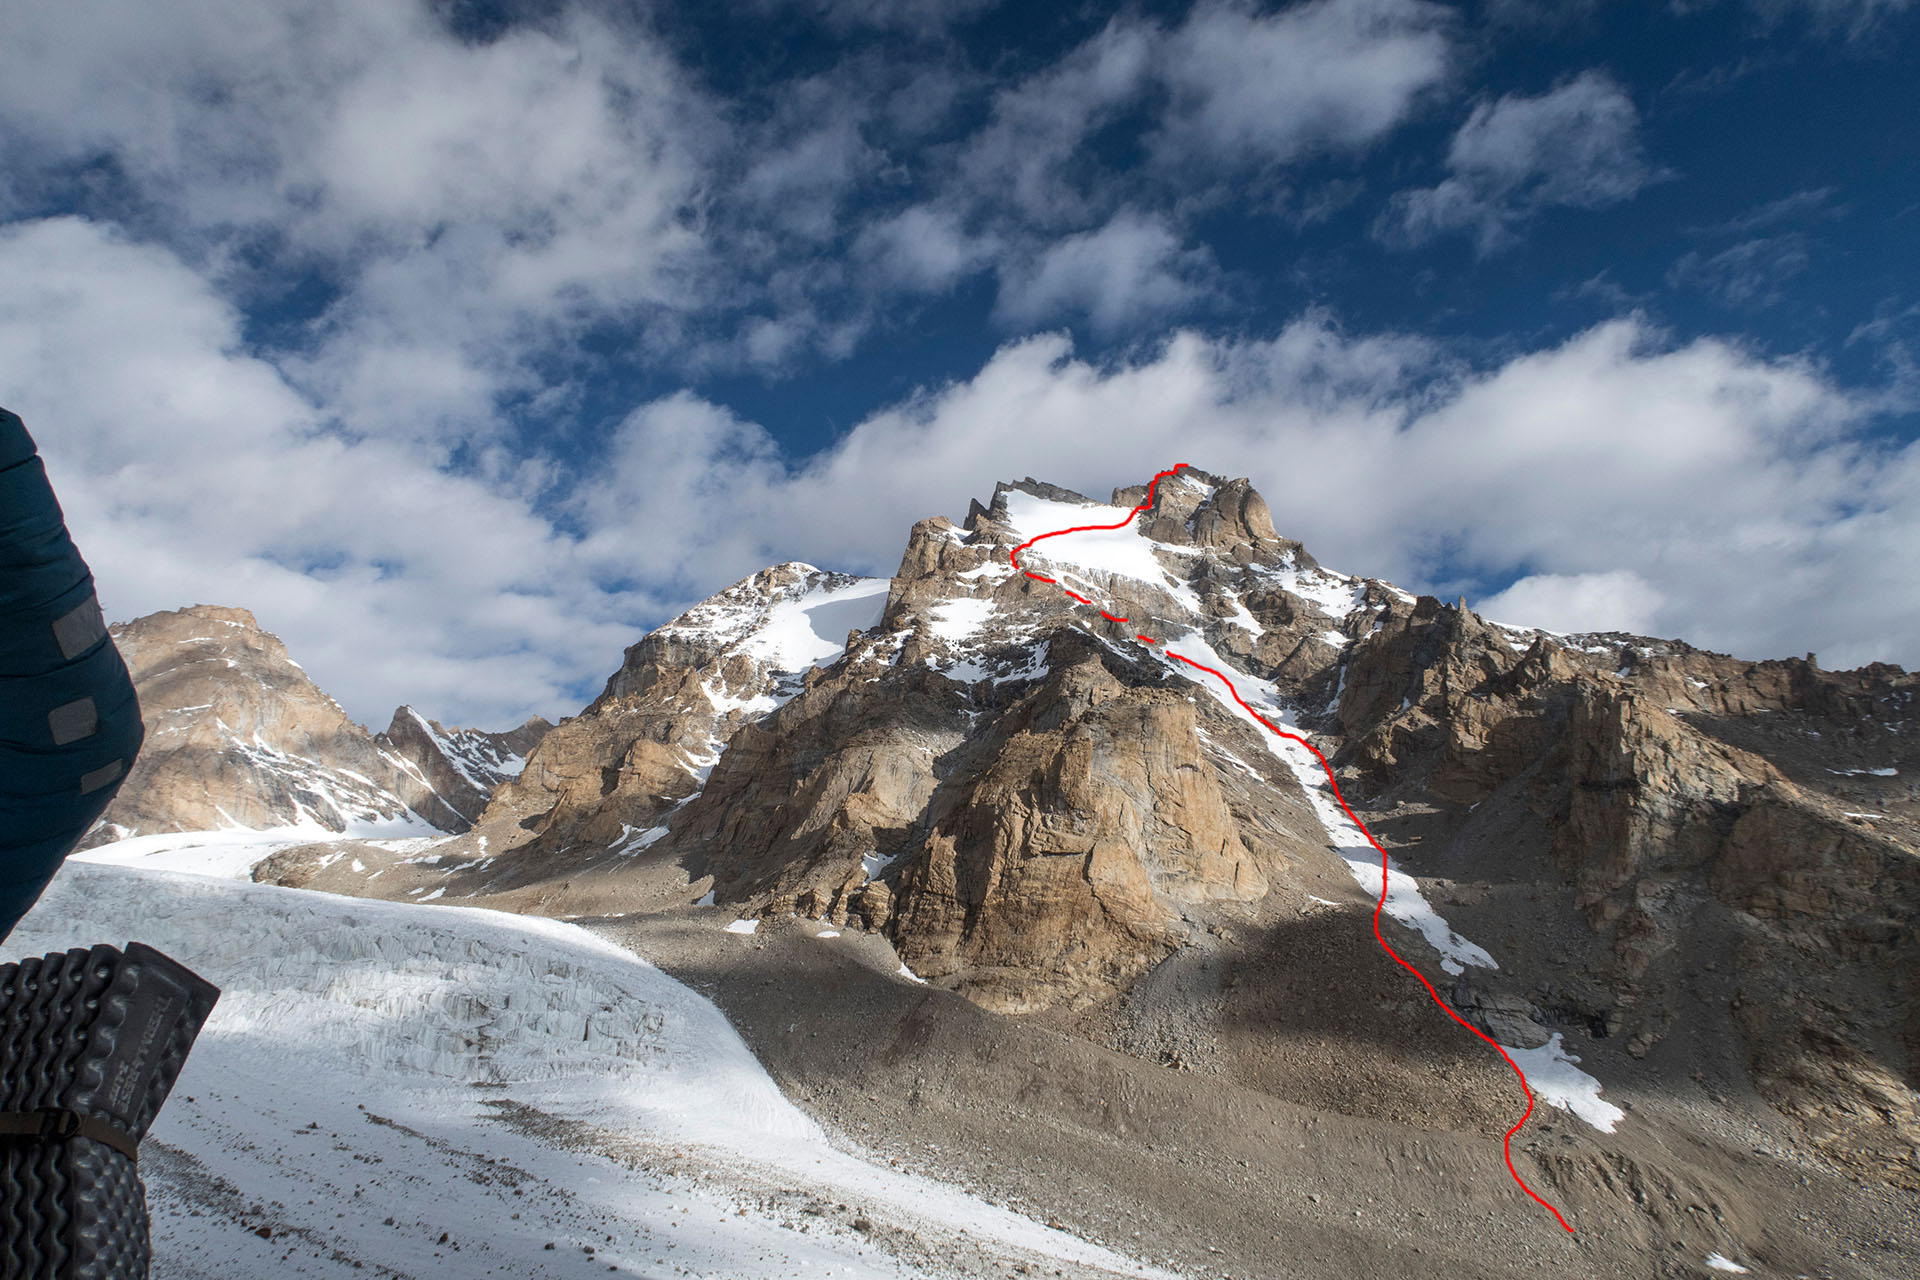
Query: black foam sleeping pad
{"points": [[91, 1042]]}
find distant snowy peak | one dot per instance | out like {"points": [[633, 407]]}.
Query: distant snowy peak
{"points": [[791, 616], [461, 766], [755, 641], [1192, 516], [239, 736], [611, 777]]}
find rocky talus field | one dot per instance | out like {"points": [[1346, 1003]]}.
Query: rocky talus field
{"points": [[1000, 892]]}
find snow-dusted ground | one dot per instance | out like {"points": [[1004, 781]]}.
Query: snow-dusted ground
{"points": [[450, 1091], [232, 853]]}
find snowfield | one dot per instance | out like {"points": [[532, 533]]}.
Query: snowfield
{"points": [[394, 1090]]}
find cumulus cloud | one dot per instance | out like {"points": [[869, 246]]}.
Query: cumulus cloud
{"points": [[808, 161], [1227, 89], [470, 204], [1024, 156], [1689, 489], [1694, 489], [1576, 146], [192, 473], [1329, 74], [1131, 271], [1618, 600], [464, 210], [922, 249]]}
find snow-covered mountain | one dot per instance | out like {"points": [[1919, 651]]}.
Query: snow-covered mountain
{"points": [[1680, 890], [239, 736], [607, 779], [462, 766]]}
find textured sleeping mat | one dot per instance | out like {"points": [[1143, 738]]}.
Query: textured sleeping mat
{"points": [[91, 1042]]}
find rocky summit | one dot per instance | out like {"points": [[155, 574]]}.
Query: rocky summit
{"points": [[239, 736], [1679, 888]]}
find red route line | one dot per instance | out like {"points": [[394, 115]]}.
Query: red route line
{"points": [[1506, 1145]]}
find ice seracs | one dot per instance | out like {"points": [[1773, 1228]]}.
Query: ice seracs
{"points": [[380, 1082]]}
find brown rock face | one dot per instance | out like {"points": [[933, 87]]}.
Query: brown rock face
{"points": [[462, 766], [237, 735], [597, 783], [1676, 858], [1678, 796], [1008, 787], [1062, 867]]}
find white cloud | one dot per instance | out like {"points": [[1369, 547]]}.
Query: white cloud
{"points": [[477, 206], [807, 161], [474, 206], [1719, 494], [1770, 247], [1619, 600], [1747, 274], [1805, 206], [1577, 145], [922, 249], [1131, 271], [1329, 74], [1226, 90], [1701, 489], [475, 203], [690, 496], [192, 473]]}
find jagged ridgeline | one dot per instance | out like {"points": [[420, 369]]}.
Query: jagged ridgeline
{"points": [[238, 735], [1671, 855]]}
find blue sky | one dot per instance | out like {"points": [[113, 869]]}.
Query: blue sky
{"points": [[463, 342]]}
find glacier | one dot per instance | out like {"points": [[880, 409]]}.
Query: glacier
{"points": [[401, 1090]]}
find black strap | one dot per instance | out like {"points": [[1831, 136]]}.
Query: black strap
{"points": [[57, 1124]]}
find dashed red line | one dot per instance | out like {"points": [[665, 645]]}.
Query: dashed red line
{"points": [[1506, 1145]]}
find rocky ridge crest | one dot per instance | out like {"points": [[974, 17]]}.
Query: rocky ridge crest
{"points": [[1042, 814], [1039, 813], [239, 735]]}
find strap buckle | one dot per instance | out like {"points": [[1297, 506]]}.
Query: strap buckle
{"points": [[58, 1124]]}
